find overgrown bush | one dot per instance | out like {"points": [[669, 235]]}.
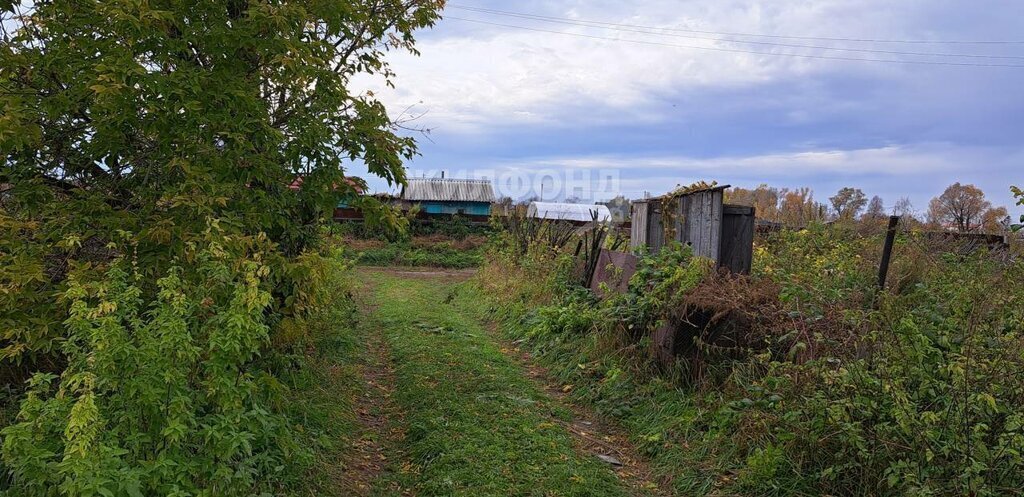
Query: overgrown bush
{"points": [[156, 397], [180, 393], [166, 170], [820, 385]]}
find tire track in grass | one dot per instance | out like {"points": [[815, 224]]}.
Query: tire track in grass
{"points": [[375, 452], [592, 435], [476, 424]]}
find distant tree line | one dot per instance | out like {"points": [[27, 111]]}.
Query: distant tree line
{"points": [[960, 207]]}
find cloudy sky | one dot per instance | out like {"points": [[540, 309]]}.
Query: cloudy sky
{"points": [[656, 93]]}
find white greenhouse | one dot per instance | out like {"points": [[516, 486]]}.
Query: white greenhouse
{"points": [[569, 212]]}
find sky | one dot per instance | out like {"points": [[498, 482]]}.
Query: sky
{"points": [[593, 98]]}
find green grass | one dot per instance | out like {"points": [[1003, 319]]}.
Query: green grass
{"points": [[661, 419], [323, 385], [475, 424], [401, 254]]}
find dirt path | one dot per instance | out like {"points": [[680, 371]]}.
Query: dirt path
{"points": [[443, 274], [599, 443], [380, 430], [592, 436]]}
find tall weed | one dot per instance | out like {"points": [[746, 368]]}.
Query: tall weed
{"points": [[827, 387], [159, 396]]}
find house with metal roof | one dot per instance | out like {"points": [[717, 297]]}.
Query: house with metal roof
{"points": [[470, 197], [577, 213]]}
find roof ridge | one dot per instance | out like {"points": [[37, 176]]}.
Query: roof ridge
{"points": [[472, 180]]}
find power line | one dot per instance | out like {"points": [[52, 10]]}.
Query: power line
{"points": [[758, 35], [737, 50], [647, 30]]}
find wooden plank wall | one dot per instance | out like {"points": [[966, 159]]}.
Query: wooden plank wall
{"points": [[737, 238], [697, 219], [722, 233], [655, 231], [638, 230], [699, 223]]}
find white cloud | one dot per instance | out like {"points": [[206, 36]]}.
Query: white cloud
{"points": [[918, 171], [760, 118], [470, 76], [890, 160]]}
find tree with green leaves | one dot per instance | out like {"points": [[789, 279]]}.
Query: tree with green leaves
{"points": [[153, 117], [148, 231], [174, 111]]}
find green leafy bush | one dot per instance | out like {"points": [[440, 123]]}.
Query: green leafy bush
{"points": [[916, 391], [157, 397], [936, 408], [30, 318], [167, 169], [657, 287]]}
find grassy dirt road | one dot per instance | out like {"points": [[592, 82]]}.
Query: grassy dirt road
{"points": [[448, 409]]}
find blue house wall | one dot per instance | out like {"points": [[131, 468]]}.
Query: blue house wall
{"points": [[345, 202], [466, 208]]}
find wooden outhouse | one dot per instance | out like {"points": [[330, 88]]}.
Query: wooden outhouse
{"points": [[700, 219]]}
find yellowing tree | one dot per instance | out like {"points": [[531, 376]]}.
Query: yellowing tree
{"points": [[995, 220], [798, 208], [848, 202], [960, 207], [764, 199]]}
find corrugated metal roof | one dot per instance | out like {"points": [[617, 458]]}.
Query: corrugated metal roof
{"points": [[568, 212], [448, 190]]}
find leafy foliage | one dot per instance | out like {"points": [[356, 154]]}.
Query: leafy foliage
{"points": [[1019, 195], [913, 392], [655, 288], [150, 118], [848, 202], [151, 248], [156, 398]]}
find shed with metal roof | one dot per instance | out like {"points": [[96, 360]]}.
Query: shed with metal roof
{"points": [[569, 212]]}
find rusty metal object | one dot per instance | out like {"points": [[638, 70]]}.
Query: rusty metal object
{"points": [[614, 269]]}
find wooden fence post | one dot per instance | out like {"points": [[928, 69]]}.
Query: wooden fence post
{"points": [[890, 238]]}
